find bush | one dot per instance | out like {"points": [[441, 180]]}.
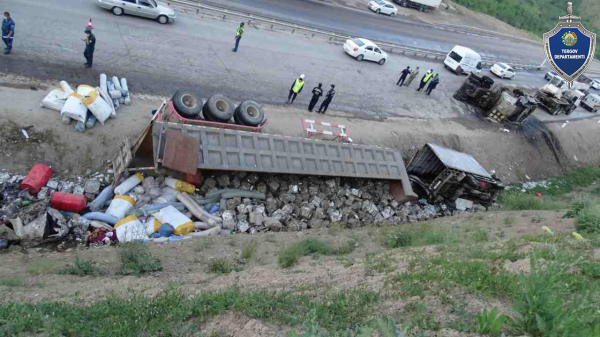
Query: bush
{"points": [[419, 235], [81, 268], [579, 204], [136, 259], [289, 256], [490, 323], [221, 266], [588, 220], [249, 250]]}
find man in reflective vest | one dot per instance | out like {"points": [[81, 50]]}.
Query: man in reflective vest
{"points": [[8, 32], [296, 89], [238, 36], [425, 79]]}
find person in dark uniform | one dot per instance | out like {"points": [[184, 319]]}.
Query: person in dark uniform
{"points": [[90, 45], [404, 73], [8, 32], [317, 93], [327, 100], [238, 36], [432, 84]]}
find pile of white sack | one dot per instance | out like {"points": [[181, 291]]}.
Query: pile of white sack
{"points": [[88, 104]]}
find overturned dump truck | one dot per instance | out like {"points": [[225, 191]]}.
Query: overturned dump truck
{"points": [[496, 103], [441, 174], [194, 149]]}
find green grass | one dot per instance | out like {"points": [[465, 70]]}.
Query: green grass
{"points": [[418, 235], [43, 268], [81, 268], [378, 263], [136, 259], [171, 310], [289, 256], [222, 266], [249, 250], [11, 282], [583, 177], [588, 220], [509, 221], [518, 201]]}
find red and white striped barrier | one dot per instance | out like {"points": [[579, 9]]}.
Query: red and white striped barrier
{"points": [[311, 128]]}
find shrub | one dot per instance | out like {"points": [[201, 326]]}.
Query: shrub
{"points": [[588, 220], [518, 201], [81, 268], [221, 266], [249, 250], [289, 256], [490, 323], [136, 259]]}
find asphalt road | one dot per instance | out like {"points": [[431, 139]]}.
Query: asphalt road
{"points": [[195, 52], [383, 28]]}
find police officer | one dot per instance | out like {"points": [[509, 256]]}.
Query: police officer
{"points": [[238, 36], [404, 73], [90, 45], [327, 100], [296, 88], [433, 83], [8, 32], [317, 93], [425, 79]]}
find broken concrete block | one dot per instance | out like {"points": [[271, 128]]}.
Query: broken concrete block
{"points": [[330, 184], [223, 180], [316, 201], [387, 212], [43, 193], [246, 186], [243, 226], [78, 189], [261, 187], [271, 205], [252, 178], [230, 204], [288, 198], [293, 189], [296, 225], [313, 190], [92, 186], [335, 216], [273, 224], [463, 204], [228, 220], [273, 185], [236, 182], [52, 184], [306, 212], [256, 218]]}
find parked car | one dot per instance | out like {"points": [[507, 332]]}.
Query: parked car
{"points": [[503, 70], [462, 60], [549, 75], [591, 103], [144, 8], [363, 49], [595, 84], [383, 7]]}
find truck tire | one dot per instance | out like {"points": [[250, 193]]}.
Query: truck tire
{"points": [[249, 113], [404, 3], [219, 108], [187, 103]]}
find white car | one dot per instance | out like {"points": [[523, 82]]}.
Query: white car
{"points": [[363, 49], [144, 8], [383, 7], [595, 84], [503, 70]]}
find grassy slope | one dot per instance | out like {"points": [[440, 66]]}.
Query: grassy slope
{"points": [[537, 16]]}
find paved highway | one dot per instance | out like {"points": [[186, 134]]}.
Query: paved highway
{"points": [[383, 28], [195, 52]]}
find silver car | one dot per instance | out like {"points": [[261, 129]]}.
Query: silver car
{"points": [[145, 8]]}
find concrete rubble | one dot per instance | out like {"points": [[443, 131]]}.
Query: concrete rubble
{"points": [[236, 202]]}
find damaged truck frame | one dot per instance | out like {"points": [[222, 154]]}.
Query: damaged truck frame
{"points": [[437, 173]]}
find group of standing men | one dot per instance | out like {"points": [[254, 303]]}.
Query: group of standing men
{"points": [[428, 78], [317, 92]]}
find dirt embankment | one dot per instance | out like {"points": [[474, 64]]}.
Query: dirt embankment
{"points": [[537, 151]]}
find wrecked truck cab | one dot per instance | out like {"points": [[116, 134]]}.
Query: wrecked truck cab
{"points": [[438, 173]]}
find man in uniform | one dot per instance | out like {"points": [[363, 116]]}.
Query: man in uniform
{"points": [[327, 100], [425, 79], [317, 93], [296, 88], [90, 45], [8, 32], [433, 83], [238, 36], [404, 73], [412, 76]]}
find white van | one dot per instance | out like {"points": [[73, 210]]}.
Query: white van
{"points": [[591, 102], [463, 60]]}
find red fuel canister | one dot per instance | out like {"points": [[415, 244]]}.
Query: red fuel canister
{"points": [[68, 202], [36, 179]]}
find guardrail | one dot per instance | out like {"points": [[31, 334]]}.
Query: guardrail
{"points": [[333, 36]]}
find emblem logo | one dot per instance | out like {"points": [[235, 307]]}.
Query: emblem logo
{"points": [[569, 47], [569, 39]]}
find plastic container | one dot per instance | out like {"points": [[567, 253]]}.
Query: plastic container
{"points": [[102, 198], [97, 105], [130, 229], [68, 202], [103, 82], [180, 186], [129, 184], [125, 89], [37, 178], [182, 224], [120, 206]]}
